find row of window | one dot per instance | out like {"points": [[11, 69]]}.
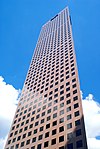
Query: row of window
{"points": [[46, 144]]}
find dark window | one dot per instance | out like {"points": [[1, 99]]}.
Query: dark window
{"points": [[28, 142], [47, 126], [77, 122], [76, 105], [34, 139], [62, 147], [40, 137], [18, 138], [39, 146], [75, 98], [24, 135], [54, 132], [35, 131], [79, 144], [46, 134], [68, 101], [76, 113], [61, 138], [42, 121], [78, 132], [61, 98], [70, 146], [46, 144], [74, 80], [67, 95], [53, 141], [75, 91], [22, 144], [61, 129], [54, 123], [29, 133], [41, 128]]}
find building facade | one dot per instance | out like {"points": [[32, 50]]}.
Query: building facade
{"points": [[49, 113]]}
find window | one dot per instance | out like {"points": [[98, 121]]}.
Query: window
{"points": [[61, 120], [34, 140], [61, 138], [40, 137], [46, 134], [35, 131], [19, 137], [41, 128], [28, 142], [22, 144], [53, 141], [69, 125], [39, 146], [75, 91], [70, 136], [61, 98], [55, 108], [77, 122], [68, 101], [78, 132], [70, 146], [46, 144], [24, 135], [76, 105], [75, 98], [62, 92], [29, 133], [48, 118], [54, 132], [61, 112], [17, 145], [69, 117], [61, 129], [49, 111], [79, 144], [69, 109], [47, 126], [55, 115], [42, 121], [54, 123], [62, 147], [74, 80], [67, 95], [76, 113]]}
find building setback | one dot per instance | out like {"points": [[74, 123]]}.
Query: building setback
{"points": [[49, 113]]}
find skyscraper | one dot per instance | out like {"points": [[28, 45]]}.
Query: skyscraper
{"points": [[49, 113]]}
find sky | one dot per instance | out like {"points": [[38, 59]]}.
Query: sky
{"points": [[20, 24]]}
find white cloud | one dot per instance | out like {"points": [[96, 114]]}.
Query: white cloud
{"points": [[2, 142], [8, 101], [91, 110]]}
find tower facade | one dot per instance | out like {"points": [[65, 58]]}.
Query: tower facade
{"points": [[49, 113]]}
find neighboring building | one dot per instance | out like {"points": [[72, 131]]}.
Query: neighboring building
{"points": [[49, 114]]}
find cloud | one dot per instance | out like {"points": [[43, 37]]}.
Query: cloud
{"points": [[2, 142], [8, 100], [91, 110]]}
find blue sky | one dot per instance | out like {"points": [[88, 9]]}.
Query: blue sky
{"points": [[20, 24]]}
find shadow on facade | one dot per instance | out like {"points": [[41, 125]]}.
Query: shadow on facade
{"points": [[77, 138]]}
